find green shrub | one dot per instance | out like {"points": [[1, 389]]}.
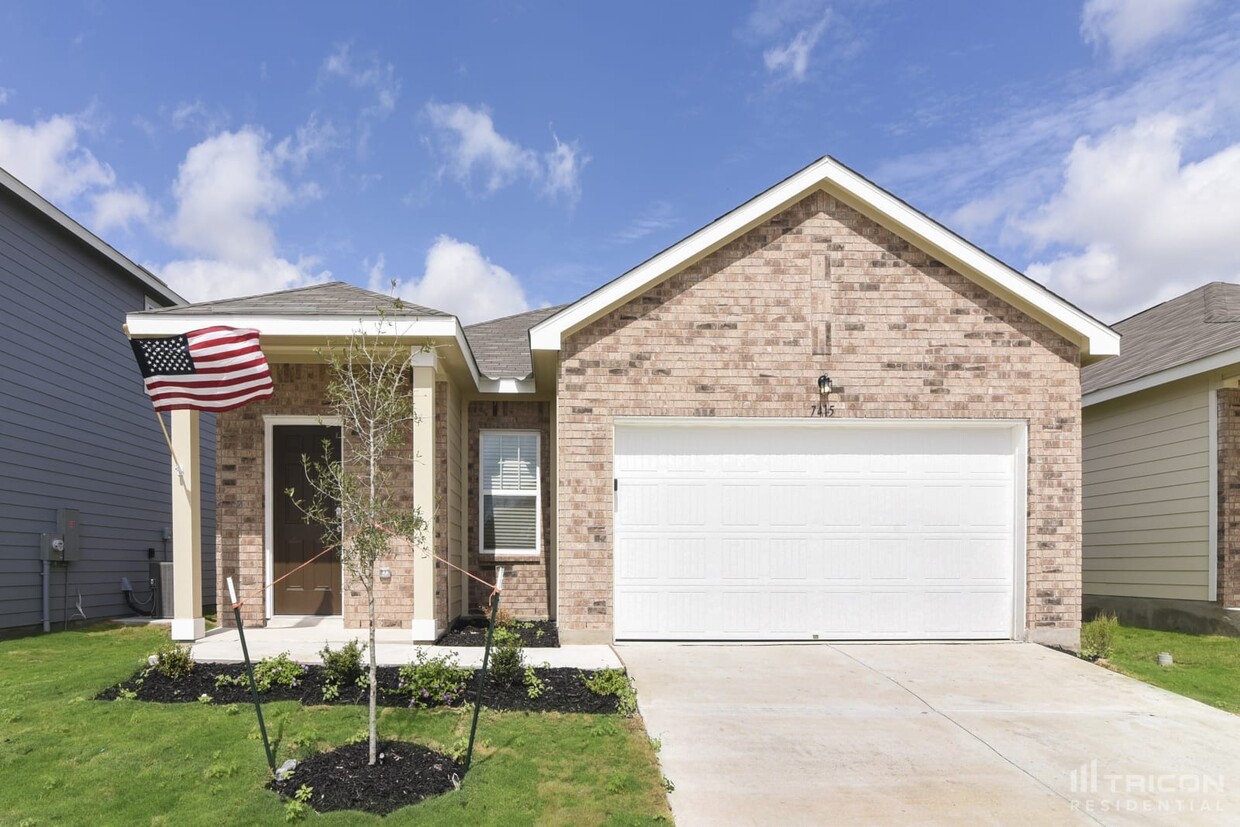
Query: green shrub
{"points": [[174, 661], [431, 681], [341, 667], [507, 658], [613, 682], [278, 670], [534, 685], [1098, 637]]}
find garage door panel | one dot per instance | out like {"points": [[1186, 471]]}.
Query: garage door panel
{"points": [[790, 532]]}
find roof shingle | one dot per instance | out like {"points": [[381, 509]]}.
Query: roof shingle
{"points": [[502, 346], [1198, 324], [334, 298]]}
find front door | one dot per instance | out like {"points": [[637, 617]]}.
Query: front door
{"points": [[314, 589]]}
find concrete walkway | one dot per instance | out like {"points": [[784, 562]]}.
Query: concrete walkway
{"points": [[928, 734], [392, 647]]}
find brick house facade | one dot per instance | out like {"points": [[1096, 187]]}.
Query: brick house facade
{"points": [[822, 274]]}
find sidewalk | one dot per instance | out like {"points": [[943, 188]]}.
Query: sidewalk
{"points": [[392, 647]]}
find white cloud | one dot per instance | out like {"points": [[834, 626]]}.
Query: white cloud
{"points": [[202, 279], [49, 158], [791, 60], [228, 190], [473, 147], [312, 139], [458, 279], [1126, 27], [657, 217], [120, 208], [1133, 223], [5, 94], [380, 78]]}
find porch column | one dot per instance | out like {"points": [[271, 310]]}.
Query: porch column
{"points": [[425, 628], [187, 621]]}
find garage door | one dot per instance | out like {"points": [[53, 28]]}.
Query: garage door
{"points": [[823, 530]]}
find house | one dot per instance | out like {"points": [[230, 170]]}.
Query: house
{"points": [[1162, 463], [76, 430], [821, 416]]}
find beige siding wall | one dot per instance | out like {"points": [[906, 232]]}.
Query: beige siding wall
{"points": [[1147, 494]]}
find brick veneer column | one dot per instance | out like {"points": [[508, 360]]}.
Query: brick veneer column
{"points": [[1229, 497]]}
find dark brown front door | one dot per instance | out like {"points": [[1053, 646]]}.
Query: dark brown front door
{"points": [[315, 589]]}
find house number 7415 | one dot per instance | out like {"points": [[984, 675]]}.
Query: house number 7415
{"points": [[822, 409]]}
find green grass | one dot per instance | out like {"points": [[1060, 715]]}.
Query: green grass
{"points": [[66, 759], [1206, 668]]}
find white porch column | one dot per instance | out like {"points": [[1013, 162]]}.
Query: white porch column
{"points": [[425, 628], [187, 621]]}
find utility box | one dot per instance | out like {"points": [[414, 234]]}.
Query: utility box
{"points": [[161, 589], [63, 545], [67, 528]]}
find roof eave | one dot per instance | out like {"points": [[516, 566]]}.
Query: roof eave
{"points": [[1207, 364]]}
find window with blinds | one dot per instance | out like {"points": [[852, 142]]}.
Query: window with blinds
{"points": [[510, 496]]}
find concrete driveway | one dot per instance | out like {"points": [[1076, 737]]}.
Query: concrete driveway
{"points": [[928, 734]]}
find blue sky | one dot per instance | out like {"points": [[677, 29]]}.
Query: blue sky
{"points": [[497, 156]]}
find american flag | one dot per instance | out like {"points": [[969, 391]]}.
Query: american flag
{"points": [[212, 369]]}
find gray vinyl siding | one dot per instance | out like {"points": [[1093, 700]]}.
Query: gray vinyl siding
{"points": [[1147, 503], [76, 430]]}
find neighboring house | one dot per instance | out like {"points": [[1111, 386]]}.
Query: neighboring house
{"points": [[653, 461], [76, 429], [1162, 467]]}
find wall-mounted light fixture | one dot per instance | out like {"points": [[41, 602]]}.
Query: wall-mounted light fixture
{"points": [[824, 384]]}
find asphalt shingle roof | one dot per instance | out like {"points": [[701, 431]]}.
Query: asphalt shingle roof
{"points": [[1198, 324], [335, 298], [502, 346]]}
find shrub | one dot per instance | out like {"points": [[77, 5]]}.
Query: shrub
{"points": [[507, 659], [430, 681], [278, 670], [343, 666], [613, 682], [173, 661], [1098, 637], [534, 685]]}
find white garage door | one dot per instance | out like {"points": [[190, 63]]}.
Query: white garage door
{"points": [[824, 530]]}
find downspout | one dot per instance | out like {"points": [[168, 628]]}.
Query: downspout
{"points": [[47, 596]]}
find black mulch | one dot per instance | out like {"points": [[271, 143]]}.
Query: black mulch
{"points": [[342, 779], [472, 631], [563, 690]]}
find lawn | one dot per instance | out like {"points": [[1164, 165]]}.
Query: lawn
{"points": [[67, 759], [1207, 667]]}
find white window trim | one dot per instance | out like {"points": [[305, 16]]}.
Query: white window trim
{"points": [[538, 505]]}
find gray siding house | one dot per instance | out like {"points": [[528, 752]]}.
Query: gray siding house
{"points": [[76, 429]]}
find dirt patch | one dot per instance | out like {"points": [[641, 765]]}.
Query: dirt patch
{"points": [[556, 690], [472, 631], [341, 779]]}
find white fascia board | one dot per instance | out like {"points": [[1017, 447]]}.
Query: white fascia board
{"points": [[173, 324], [91, 240], [1218, 361], [1098, 340]]}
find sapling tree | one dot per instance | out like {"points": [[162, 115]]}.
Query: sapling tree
{"points": [[356, 498]]}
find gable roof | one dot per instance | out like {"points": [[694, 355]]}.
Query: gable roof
{"points": [[333, 298], [1094, 338], [502, 346], [1193, 333], [152, 283]]}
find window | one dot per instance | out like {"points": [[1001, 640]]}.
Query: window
{"points": [[510, 492]]}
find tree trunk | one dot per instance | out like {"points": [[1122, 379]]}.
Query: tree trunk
{"points": [[374, 680]]}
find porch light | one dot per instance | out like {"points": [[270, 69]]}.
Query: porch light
{"points": [[824, 384]]}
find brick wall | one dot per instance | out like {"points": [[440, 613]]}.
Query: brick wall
{"points": [[527, 583], [1228, 496], [746, 332], [299, 390]]}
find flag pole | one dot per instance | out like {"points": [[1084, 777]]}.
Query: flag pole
{"points": [[168, 439]]}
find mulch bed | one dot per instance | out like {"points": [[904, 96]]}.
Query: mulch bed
{"points": [[341, 779], [472, 631], [563, 690]]}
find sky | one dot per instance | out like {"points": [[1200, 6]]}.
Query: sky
{"points": [[487, 158]]}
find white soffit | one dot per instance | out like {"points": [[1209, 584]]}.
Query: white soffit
{"points": [[1095, 339]]}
